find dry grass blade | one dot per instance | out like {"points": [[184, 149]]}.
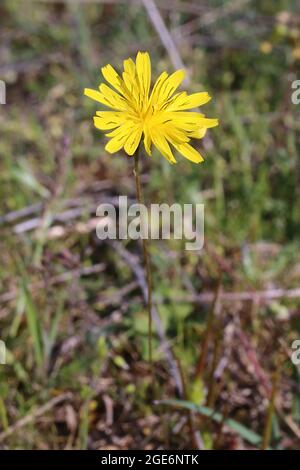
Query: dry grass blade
{"points": [[34, 415], [164, 35]]}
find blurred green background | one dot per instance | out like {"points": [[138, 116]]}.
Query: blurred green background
{"points": [[71, 308]]}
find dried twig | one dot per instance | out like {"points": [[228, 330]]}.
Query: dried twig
{"points": [[208, 17], [253, 360], [34, 415], [258, 296], [23, 66], [164, 35], [60, 278]]}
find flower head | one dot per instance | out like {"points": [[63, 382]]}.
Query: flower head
{"points": [[160, 117]]}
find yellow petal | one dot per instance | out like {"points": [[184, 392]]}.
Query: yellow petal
{"points": [[170, 86], [130, 78], [112, 77], [106, 100], [157, 86], [95, 95], [112, 97], [189, 152], [198, 134], [187, 102], [115, 144], [208, 123], [147, 141], [106, 120], [131, 87], [124, 129], [171, 103], [129, 67], [189, 120], [161, 143], [176, 135], [133, 141], [143, 69]]}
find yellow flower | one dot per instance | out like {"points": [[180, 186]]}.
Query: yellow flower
{"points": [[160, 117]]}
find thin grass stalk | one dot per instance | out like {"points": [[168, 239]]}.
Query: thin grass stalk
{"points": [[270, 413], [146, 255], [196, 438], [207, 334], [216, 357]]}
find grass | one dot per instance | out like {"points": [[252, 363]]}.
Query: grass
{"points": [[72, 329]]}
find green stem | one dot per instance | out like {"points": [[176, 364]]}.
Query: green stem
{"points": [[145, 253]]}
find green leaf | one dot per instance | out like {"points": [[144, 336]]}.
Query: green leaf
{"points": [[247, 434], [23, 174], [32, 315]]}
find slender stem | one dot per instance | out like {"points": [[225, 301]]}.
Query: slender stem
{"points": [[268, 424], [145, 252]]}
